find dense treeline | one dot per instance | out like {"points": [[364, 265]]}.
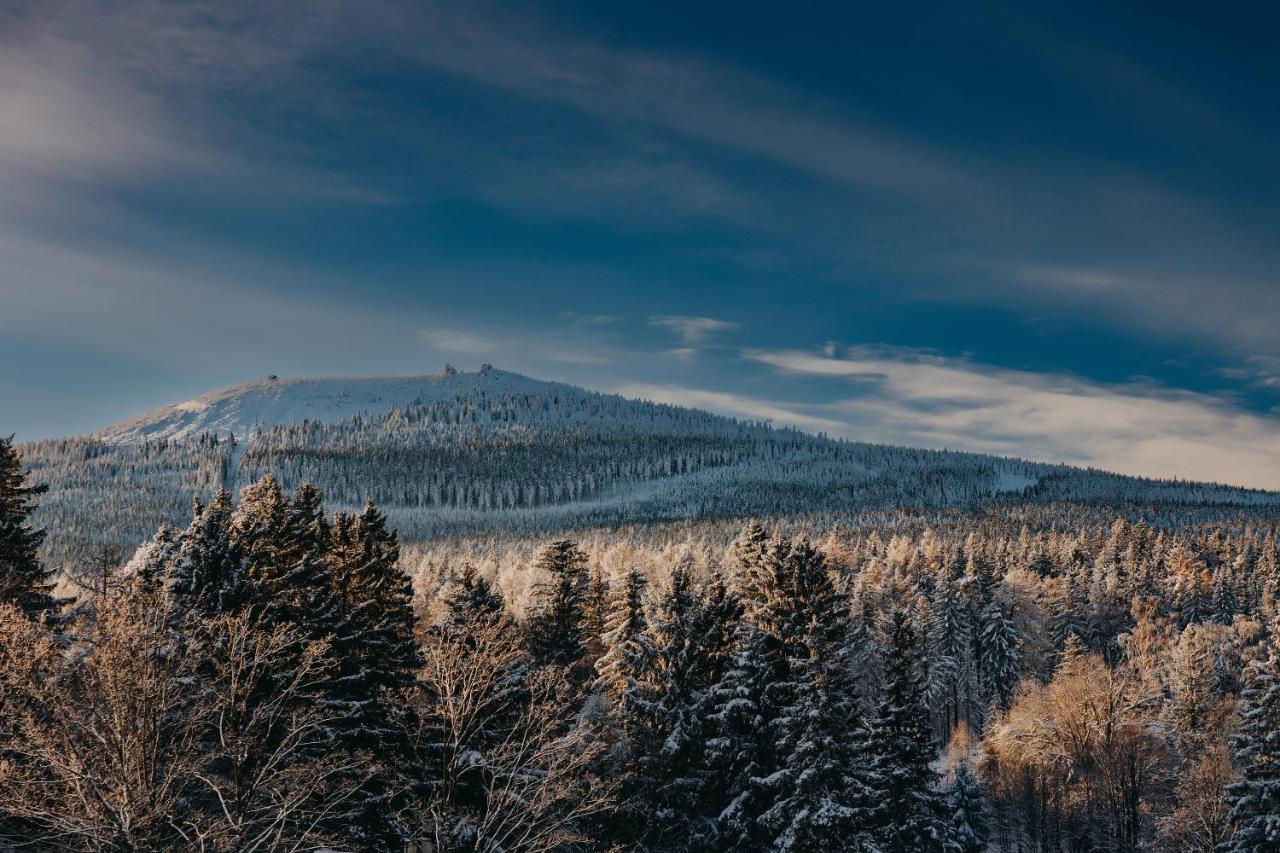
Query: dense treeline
{"points": [[265, 679]]}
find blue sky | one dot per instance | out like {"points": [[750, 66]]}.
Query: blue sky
{"points": [[1035, 231]]}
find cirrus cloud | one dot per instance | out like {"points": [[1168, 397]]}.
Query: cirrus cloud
{"points": [[912, 397]]}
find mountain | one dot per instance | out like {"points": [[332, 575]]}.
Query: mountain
{"points": [[492, 450], [242, 409]]}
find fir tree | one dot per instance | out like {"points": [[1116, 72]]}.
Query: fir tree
{"points": [[911, 812], [998, 643], [970, 818], [1255, 799], [378, 659], [790, 749], [24, 581], [473, 598], [556, 631]]}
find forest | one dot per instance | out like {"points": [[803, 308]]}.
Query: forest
{"points": [[1056, 676]]}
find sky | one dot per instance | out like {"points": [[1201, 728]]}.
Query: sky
{"points": [[1035, 230]]}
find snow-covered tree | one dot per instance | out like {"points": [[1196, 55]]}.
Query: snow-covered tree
{"points": [[911, 813], [24, 580], [1255, 799]]}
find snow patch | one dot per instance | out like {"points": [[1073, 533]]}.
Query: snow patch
{"points": [[1011, 481]]}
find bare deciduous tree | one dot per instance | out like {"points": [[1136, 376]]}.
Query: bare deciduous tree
{"points": [[520, 751], [140, 736]]}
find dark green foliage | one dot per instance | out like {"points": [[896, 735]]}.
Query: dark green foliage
{"points": [[790, 753], [556, 630], [24, 581], [910, 812], [209, 574], [473, 599], [1255, 799], [969, 811], [377, 659]]}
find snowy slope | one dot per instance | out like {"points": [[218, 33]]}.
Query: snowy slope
{"points": [[241, 410]]}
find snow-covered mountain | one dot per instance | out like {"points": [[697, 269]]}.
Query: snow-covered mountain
{"points": [[493, 450], [242, 409]]}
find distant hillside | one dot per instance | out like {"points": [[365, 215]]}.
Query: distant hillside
{"points": [[470, 452]]}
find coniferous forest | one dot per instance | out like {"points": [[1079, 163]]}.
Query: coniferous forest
{"points": [[273, 677]]}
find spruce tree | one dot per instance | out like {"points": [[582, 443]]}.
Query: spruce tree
{"points": [[24, 581], [911, 811], [286, 544], [670, 757], [377, 661], [628, 651], [1255, 799], [970, 819], [951, 647], [791, 751], [998, 643], [153, 563], [473, 598], [595, 615], [823, 799], [625, 683], [556, 633], [208, 576]]}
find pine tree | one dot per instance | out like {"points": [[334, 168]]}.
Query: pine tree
{"points": [[1255, 799], [790, 748], [998, 643], [625, 683], [911, 811], [556, 632], [208, 575], [473, 598], [970, 818], [670, 757], [377, 661], [24, 581]]}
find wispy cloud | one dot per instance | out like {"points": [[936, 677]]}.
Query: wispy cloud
{"points": [[692, 330], [568, 345], [734, 405], [910, 397], [459, 341]]}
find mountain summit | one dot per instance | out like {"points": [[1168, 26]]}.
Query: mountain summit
{"points": [[243, 409]]}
